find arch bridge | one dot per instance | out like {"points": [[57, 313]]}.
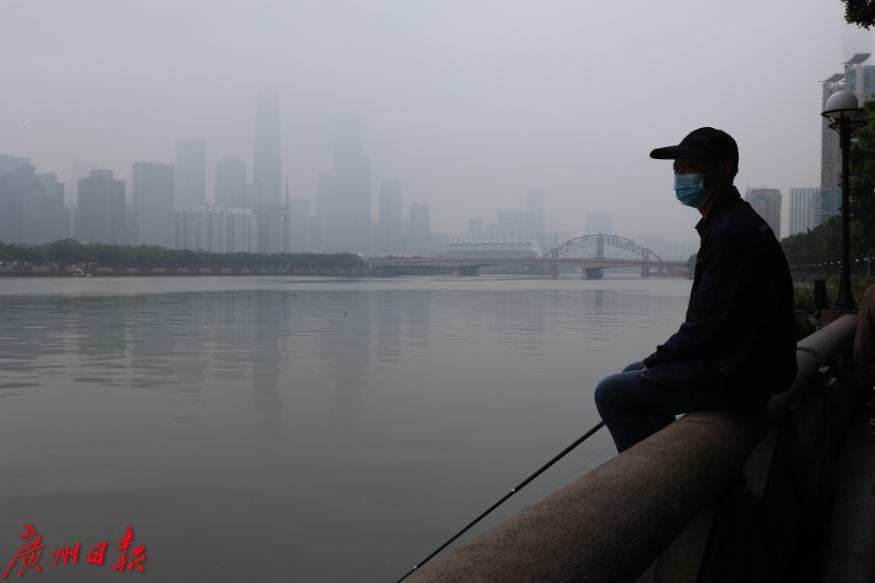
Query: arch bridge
{"points": [[599, 241], [550, 262]]}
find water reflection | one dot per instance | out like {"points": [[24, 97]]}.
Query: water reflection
{"points": [[343, 346], [365, 418], [272, 318], [388, 330]]}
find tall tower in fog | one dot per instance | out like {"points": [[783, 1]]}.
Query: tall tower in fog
{"points": [[231, 183], [389, 226], [267, 165], [101, 217], [344, 193], [267, 175], [191, 172]]}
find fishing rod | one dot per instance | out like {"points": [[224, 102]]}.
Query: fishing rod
{"points": [[513, 491]]}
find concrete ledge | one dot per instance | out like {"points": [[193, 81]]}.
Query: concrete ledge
{"points": [[613, 522]]}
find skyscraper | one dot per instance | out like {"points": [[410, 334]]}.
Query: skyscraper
{"points": [[50, 208], [267, 161], [206, 227], [10, 163], [267, 174], [344, 196], [18, 188], [420, 229], [193, 227], [858, 78], [81, 169], [191, 172], [389, 226], [231, 184], [767, 203], [152, 191], [101, 214], [804, 209], [240, 231]]}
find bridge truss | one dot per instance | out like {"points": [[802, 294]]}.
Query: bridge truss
{"points": [[599, 241]]}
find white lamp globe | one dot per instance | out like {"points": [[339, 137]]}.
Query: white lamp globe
{"points": [[841, 104]]}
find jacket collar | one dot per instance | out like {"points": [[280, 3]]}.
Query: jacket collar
{"points": [[725, 201]]}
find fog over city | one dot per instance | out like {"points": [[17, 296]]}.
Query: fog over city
{"points": [[470, 105], [391, 290]]}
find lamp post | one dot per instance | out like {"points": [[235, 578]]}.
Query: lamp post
{"points": [[843, 111]]}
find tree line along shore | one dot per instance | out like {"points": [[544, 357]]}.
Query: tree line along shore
{"points": [[70, 257]]}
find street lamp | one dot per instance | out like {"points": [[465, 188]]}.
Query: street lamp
{"points": [[843, 111]]}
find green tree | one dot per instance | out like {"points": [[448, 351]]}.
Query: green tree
{"points": [[823, 244], [860, 12], [65, 251], [862, 181]]}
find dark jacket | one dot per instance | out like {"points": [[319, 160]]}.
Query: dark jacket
{"points": [[739, 336]]}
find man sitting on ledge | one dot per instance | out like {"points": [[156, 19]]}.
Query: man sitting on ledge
{"points": [[737, 345]]}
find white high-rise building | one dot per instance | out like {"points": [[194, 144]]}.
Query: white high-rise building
{"points": [[767, 203], [804, 209], [205, 227], [193, 228], [242, 231]]}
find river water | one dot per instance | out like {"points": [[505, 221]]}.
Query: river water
{"points": [[298, 429]]}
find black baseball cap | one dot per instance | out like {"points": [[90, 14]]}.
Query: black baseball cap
{"points": [[708, 142]]}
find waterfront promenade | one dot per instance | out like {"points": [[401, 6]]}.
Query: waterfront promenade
{"points": [[713, 497]]}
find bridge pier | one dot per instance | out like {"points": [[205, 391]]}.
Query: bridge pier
{"points": [[645, 271], [553, 270], [468, 271], [592, 273]]}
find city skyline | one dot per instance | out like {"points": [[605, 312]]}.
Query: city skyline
{"points": [[469, 109], [169, 211], [166, 210], [198, 225], [229, 172]]}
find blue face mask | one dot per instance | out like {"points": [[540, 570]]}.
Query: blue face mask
{"points": [[690, 189]]}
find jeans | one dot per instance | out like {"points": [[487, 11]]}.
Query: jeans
{"points": [[635, 408], [864, 339]]}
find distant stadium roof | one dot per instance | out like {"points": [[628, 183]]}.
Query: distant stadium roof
{"points": [[858, 58], [834, 78]]}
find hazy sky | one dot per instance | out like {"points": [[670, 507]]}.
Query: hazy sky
{"points": [[468, 103]]}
